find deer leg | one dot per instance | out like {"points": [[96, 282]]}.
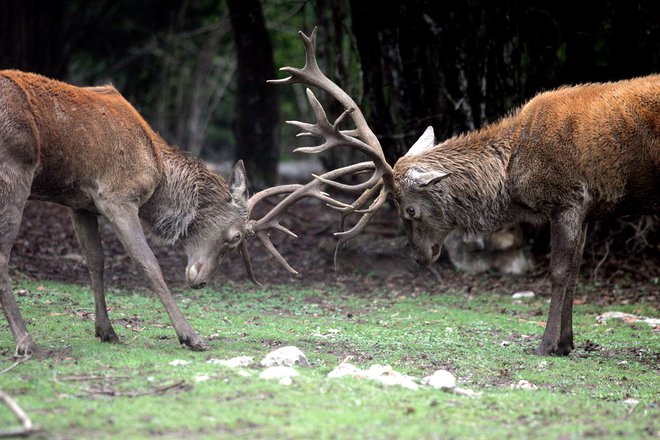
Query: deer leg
{"points": [[14, 192], [126, 223], [567, 239], [566, 336], [87, 229]]}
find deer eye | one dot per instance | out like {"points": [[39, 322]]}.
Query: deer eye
{"points": [[410, 211], [234, 239]]}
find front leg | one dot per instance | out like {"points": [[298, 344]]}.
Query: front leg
{"points": [[126, 223], [566, 337], [567, 236]]}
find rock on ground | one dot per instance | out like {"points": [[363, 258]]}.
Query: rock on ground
{"points": [[286, 356], [235, 362], [384, 374], [440, 379], [278, 372]]}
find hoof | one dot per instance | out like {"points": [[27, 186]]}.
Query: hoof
{"points": [[195, 343], [564, 349], [33, 350], [565, 345], [545, 350], [107, 336]]}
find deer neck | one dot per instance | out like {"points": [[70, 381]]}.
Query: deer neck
{"points": [[187, 194]]}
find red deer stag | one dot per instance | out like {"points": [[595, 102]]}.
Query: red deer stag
{"points": [[567, 156], [88, 149]]}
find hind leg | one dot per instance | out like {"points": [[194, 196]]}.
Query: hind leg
{"points": [[87, 230], [14, 192]]}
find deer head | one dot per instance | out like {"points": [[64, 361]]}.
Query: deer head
{"points": [[416, 194], [213, 236]]}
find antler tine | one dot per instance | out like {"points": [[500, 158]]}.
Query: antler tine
{"points": [[344, 236], [310, 73], [265, 239], [332, 136], [243, 250], [269, 192], [355, 206]]}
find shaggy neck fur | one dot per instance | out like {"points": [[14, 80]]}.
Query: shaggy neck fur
{"points": [[189, 198], [476, 189]]}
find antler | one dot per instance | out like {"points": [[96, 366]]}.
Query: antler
{"points": [[361, 138], [295, 192]]}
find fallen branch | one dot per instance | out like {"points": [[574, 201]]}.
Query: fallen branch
{"points": [[26, 429], [19, 361], [157, 390], [92, 377]]}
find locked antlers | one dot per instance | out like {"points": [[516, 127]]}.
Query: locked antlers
{"points": [[374, 189]]}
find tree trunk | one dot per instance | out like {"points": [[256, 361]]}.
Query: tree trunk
{"points": [[256, 125]]}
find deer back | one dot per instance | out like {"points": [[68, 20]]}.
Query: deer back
{"points": [[86, 140], [602, 139]]}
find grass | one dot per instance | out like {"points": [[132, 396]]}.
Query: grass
{"points": [[93, 390]]}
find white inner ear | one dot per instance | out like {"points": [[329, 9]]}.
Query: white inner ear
{"points": [[238, 184], [423, 178], [426, 141]]}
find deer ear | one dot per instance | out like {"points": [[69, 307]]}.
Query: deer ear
{"points": [[426, 141], [424, 179], [238, 183]]}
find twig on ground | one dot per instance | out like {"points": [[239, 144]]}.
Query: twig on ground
{"points": [[26, 429], [91, 377], [182, 385], [157, 390]]}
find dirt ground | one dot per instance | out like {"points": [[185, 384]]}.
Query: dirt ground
{"points": [[378, 261]]}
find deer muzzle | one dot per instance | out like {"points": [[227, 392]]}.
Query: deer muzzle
{"points": [[195, 276], [427, 255]]}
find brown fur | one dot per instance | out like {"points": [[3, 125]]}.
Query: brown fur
{"points": [[87, 148], [567, 156]]}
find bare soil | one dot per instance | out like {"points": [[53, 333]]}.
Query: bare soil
{"points": [[378, 262]]}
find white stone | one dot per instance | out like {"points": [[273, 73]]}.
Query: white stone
{"points": [[387, 376], [344, 369], [627, 317], [239, 361], [440, 379], [278, 372], [285, 356], [286, 381], [384, 374], [202, 378], [463, 392], [179, 363], [524, 385], [523, 295]]}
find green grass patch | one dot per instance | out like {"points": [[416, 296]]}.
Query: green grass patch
{"points": [[608, 389]]}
